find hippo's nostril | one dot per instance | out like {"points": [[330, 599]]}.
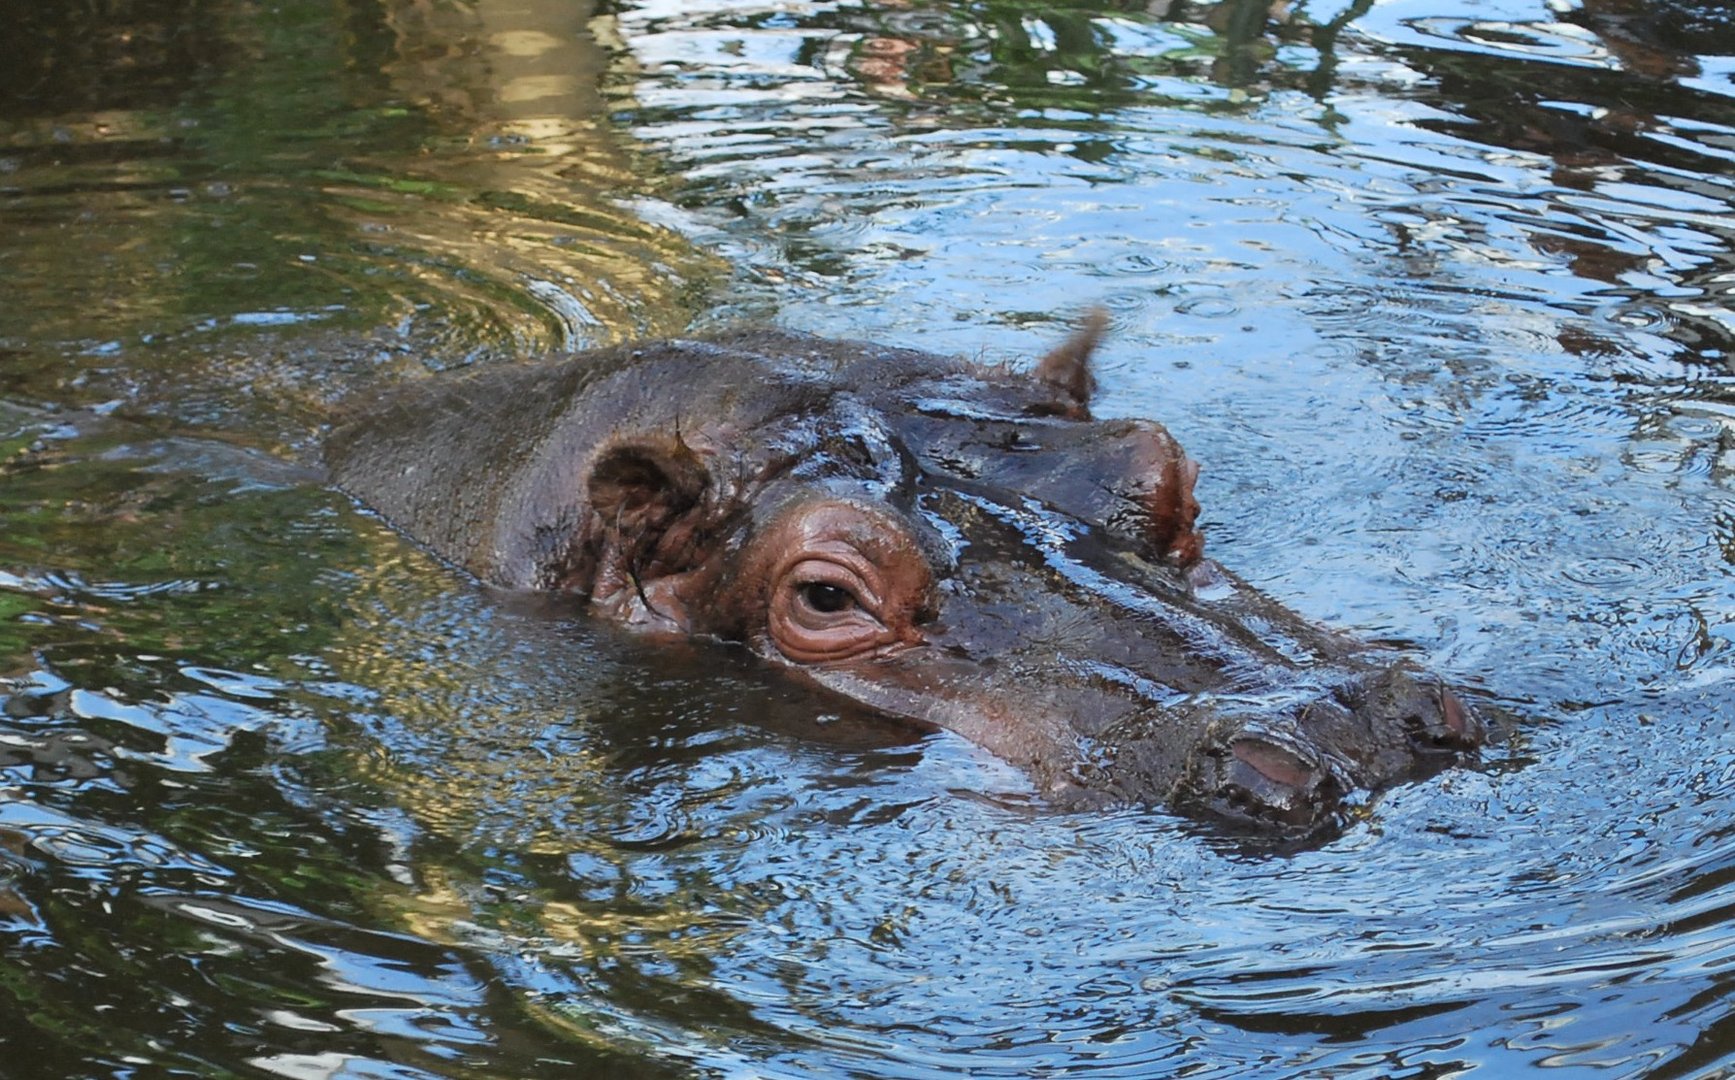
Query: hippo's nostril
{"points": [[1403, 699], [1452, 714], [1262, 781], [1443, 723], [1274, 763]]}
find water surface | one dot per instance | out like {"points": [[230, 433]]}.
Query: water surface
{"points": [[1438, 291]]}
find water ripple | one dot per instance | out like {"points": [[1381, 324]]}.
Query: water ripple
{"points": [[1436, 291]]}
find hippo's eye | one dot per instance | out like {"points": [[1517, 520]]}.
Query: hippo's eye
{"points": [[825, 598], [838, 583], [829, 605]]}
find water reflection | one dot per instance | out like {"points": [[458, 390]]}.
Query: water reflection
{"points": [[1637, 199], [1437, 290], [445, 171]]}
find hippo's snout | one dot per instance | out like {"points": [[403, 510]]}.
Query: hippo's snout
{"points": [[1293, 768]]}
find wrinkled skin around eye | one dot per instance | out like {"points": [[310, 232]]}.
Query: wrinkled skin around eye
{"points": [[840, 582], [827, 604]]}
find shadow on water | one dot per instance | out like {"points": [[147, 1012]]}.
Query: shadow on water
{"points": [[1438, 290]]}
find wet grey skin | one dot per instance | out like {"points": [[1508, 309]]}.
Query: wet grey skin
{"points": [[986, 559]]}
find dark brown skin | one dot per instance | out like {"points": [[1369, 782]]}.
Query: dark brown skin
{"points": [[952, 544]]}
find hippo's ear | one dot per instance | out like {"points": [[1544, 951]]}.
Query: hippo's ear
{"points": [[639, 488], [1067, 368], [647, 513]]}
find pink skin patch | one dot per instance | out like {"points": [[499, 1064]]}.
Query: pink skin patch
{"points": [[1275, 764], [1452, 712]]}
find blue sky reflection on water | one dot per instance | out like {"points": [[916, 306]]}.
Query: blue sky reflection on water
{"points": [[1437, 291]]}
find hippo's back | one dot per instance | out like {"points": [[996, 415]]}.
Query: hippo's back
{"points": [[430, 457]]}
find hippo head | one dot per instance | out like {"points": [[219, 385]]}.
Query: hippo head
{"points": [[954, 544]]}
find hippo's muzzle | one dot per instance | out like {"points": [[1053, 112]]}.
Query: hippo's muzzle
{"points": [[1294, 767]]}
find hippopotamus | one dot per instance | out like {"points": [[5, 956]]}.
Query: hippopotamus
{"points": [[947, 543]]}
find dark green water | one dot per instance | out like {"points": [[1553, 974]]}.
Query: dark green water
{"points": [[1438, 290]]}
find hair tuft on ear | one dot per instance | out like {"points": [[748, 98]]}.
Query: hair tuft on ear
{"points": [[1067, 368], [642, 485], [649, 508]]}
